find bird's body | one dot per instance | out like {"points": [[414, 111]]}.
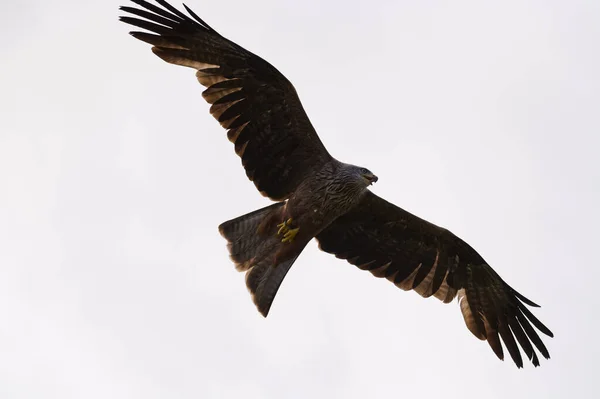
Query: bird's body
{"points": [[335, 189], [319, 197]]}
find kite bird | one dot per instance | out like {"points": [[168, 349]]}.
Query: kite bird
{"points": [[317, 196]]}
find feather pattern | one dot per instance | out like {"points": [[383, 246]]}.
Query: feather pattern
{"points": [[417, 255], [271, 132], [253, 253]]}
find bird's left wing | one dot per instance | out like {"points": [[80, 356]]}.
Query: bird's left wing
{"points": [[254, 101], [417, 255]]}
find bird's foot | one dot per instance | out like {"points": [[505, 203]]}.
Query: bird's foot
{"points": [[284, 227], [288, 234]]}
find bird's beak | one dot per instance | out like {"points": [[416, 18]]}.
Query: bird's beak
{"points": [[372, 179]]}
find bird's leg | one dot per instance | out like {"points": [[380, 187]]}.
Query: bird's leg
{"points": [[288, 234]]}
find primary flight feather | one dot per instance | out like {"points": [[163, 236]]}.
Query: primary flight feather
{"points": [[320, 197]]}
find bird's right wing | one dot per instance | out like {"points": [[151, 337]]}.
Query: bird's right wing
{"points": [[417, 255], [256, 103]]}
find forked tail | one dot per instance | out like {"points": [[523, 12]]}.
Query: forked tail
{"points": [[253, 247]]}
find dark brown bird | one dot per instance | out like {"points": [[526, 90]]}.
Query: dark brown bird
{"points": [[320, 197]]}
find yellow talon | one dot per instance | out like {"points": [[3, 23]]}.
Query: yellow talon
{"points": [[283, 227], [290, 235]]}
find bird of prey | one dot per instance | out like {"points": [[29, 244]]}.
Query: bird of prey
{"points": [[317, 196]]}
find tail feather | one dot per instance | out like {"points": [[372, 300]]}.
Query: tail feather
{"points": [[254, 251], [263, 281], [243, 237]]}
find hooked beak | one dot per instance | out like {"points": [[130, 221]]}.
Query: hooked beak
{"points": [[371, 179]]}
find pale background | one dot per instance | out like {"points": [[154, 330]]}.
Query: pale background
{"points": [[480, 116]]}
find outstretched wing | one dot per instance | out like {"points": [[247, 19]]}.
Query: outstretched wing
{"points": [[417, 255], [255, 102]]}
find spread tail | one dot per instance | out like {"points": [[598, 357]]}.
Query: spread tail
{"points": [[253, 247]]}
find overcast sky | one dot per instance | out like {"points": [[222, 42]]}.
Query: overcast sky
{"points": [[480, 116]]}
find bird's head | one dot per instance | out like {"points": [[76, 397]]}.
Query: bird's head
{"points": [[366, 175]]}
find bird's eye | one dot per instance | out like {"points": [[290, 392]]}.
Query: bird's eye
{"points": [[363, 170]]}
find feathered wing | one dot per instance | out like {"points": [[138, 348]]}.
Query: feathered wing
{"points": [[251, 99], [416, 255]]}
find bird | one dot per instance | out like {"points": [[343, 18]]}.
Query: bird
{"points": [[317, 196]]}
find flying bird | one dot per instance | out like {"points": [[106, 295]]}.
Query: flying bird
{"points": [[317, 196]]}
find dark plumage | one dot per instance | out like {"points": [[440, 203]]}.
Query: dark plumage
{"points": [[323, 198]]}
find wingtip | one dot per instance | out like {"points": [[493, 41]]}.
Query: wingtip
{"points": [[524, 299], [197, 18], [143, 36]]}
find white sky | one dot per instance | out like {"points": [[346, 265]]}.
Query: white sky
{"points": [[480, 116]]}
